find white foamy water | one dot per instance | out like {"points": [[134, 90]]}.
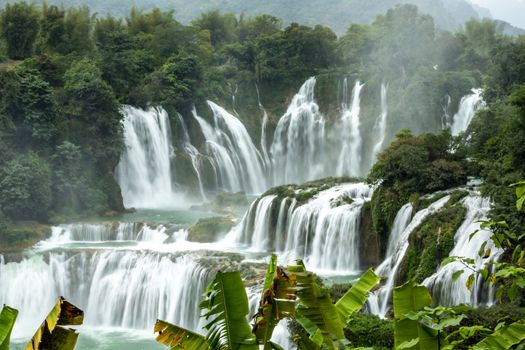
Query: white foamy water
{"points": [[468, 107], [379, 302], [451, 293], [144, 170]]}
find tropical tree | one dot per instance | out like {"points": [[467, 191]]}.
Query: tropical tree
{"points": [[287, 293], [19, 29]]}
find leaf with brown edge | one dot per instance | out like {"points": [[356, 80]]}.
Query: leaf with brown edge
{"points": [[51, 334], [179, 338]]}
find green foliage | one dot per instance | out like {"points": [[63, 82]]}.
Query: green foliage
{"points": [[25, 188], [356, 296], [19, 28], [420, 164], [179, 338], [409, 332], [504, 337], [7, 321], [225, 307], [432, 241], [93, 109], [370, 331], [277, 302]]}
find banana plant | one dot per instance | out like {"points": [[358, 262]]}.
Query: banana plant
{"points": [[504, 337], [278, 301], [51, 334], [324, 321], [287, 293], [7, 321], [410, 333]]}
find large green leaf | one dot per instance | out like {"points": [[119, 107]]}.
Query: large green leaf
{"points": [[504, 338], [411, 334], [7, 321], [225, 307], [179, 338], [316, 311], [355, 298], [50, 334], [270, 273], [277, 302]]}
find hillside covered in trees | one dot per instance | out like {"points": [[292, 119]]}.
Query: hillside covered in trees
{"points": [[132, 143]]}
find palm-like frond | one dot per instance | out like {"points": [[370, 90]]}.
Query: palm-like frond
{"points": [[355, 298], [278, 301], [225, 307], [316, 311], [50, 334], [504, 338], [7, 321], [412, 334], [179, 338]]}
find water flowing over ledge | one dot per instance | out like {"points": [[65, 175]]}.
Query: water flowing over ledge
{"points": [[115, 288], [324, 231], [449, 292]]}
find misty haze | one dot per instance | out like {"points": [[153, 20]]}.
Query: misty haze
{"points": [[247, 174]]}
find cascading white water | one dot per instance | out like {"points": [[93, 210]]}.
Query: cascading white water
{"points": [[378, 302], [103, 232], [351, 141], [235, 156], [380, 125], [193, 153], [446, 121], [264, 125], [450, 293], [324, 231], [468, 107], [144, 170], [298, 144], [115, 288]]}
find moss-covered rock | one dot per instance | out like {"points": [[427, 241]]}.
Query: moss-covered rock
{"points": [[20, 235], [209, 229], [369, 242], [386, 202], [431, 242], [305, 191]]}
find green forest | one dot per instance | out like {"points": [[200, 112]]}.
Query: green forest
{"points": [[66, 72]]}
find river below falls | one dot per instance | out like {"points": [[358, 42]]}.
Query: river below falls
{"points": [[125, 272]]}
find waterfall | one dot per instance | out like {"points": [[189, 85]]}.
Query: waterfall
{"points": [[144, 173], [235, 156], [445, 117], [264, 125], [380, 125], [451, 293], [351, 142], [397, 246], [323, 231], [115, 288], [193, 153], [104, 232], [298, 143], [468, 107]]}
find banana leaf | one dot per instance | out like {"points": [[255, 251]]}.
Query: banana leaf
{"points": [[51, 334], [411, 334], [277, 302], [179, 338], [316, 311], [355, 298], [504, 338], [225, 307], [7, 321]]}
